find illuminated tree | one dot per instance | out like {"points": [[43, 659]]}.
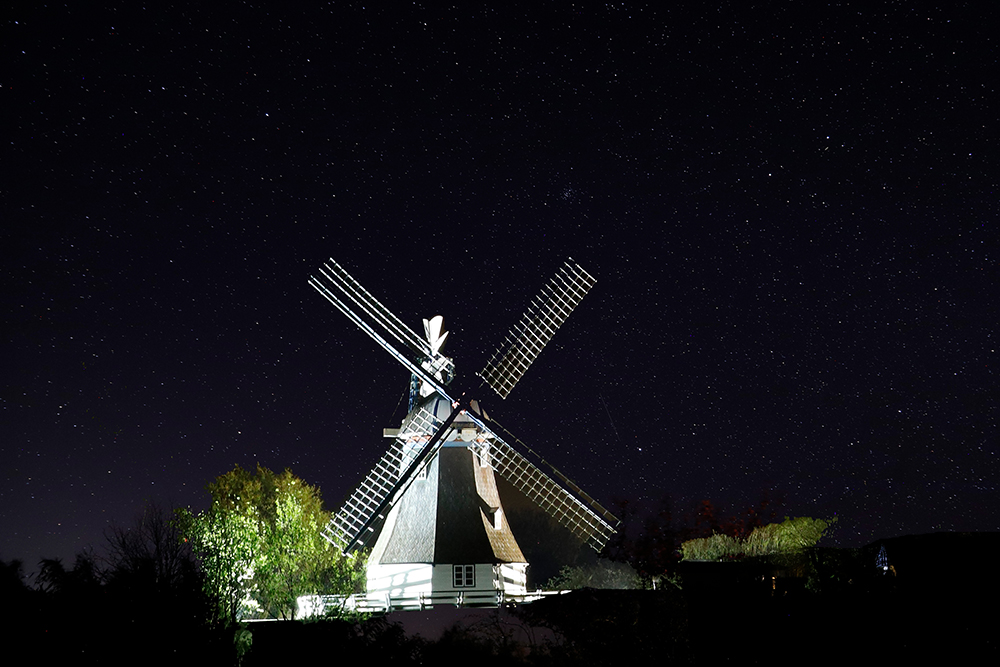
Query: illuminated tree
{"points": [[791, 536], [260, 544]]}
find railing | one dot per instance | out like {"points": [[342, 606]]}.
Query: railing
{"points": [[371, 603]]}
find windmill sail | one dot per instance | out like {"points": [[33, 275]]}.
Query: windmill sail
{"points": [[417, 354], [583, 516], [537, 326], [353, 525]]}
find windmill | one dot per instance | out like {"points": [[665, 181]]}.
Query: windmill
{"points": [[429, 510]]}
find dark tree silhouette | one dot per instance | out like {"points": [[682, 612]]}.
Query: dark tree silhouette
{"points": [[53, 577], [148, 564], [150, 552], [142, 601]]}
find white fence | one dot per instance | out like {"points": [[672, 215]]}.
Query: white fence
{"points": [[319, 605]]}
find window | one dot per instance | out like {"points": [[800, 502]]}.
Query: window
{"points": [[464, 576]]}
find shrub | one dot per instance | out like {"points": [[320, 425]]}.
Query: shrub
{"points": [[788, 537], [602, 574]]}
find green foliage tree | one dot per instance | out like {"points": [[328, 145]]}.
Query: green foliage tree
{"points": [[788, 537], [260, 544]]}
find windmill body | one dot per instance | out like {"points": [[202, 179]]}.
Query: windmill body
{"points": [[429, 510], [448, 534]]}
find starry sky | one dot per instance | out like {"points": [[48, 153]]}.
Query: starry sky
{"points": [[790, 210]]}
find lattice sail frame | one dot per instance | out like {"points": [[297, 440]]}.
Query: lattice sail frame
{"points": [[342, 290], [590, 522], [353, 525], [539, 323]]}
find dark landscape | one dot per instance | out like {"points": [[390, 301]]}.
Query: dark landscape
{"points": [[838, 606]]}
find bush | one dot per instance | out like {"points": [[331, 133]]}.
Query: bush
{"points": [[716, 547], [602, 574], [791, 536]]}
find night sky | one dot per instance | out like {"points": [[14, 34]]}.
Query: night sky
{"points": [[790, 209]]}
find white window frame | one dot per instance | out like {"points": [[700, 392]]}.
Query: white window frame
{"points": [[463, 576]]}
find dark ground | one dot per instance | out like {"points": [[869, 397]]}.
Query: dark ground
{"points": [[932, 602], [833, 606]]}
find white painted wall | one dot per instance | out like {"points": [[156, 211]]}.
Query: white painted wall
{"points": [[400, 579], [514, 578]]}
